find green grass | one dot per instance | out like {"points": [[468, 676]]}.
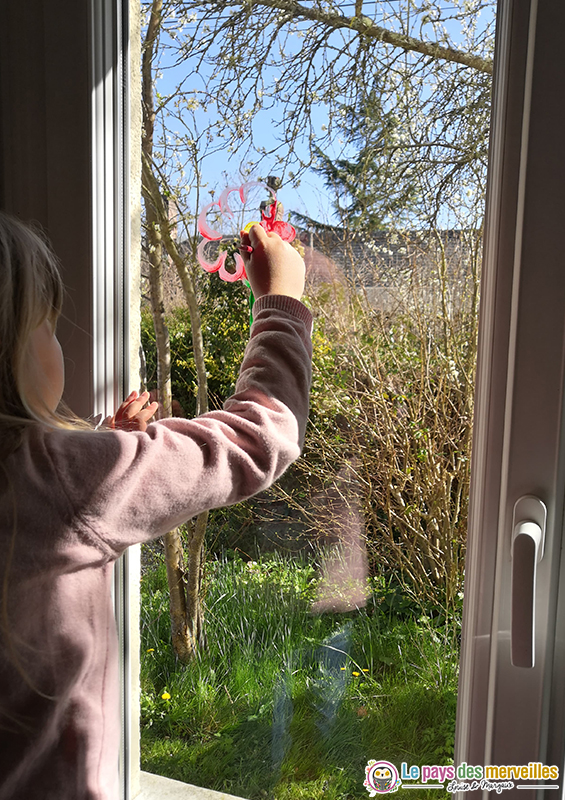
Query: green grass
{"points": [[285, 704]]}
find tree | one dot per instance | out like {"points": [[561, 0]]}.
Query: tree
{"points": [[184, 583], [372, 187], [312, 66], [400, 169], [383, 101]]}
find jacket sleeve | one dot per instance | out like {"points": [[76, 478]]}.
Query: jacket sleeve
{"points": [[128, 487]]}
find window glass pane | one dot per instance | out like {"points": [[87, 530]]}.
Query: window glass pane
{"points": [[331, 603]]}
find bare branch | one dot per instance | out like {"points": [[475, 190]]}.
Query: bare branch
{"points": [[367, 28]]}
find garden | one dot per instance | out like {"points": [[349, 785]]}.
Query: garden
{"points": [[290, 639], [331, 603], [286, 704]]}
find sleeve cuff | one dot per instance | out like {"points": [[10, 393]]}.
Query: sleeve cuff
{"points": [[283, 303]]}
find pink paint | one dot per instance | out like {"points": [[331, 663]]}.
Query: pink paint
{"points": [[268, 223]]}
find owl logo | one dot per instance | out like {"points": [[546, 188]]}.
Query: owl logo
{"points": [[381, 778]]}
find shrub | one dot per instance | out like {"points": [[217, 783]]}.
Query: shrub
{"points": [[225, 329], [387, 456], [386, 463]]}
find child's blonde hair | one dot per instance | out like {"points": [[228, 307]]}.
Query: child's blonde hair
{"points": [[31, 291]]}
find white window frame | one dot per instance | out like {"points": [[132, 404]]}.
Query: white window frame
{"points": [[70, 160], [116, 191]]}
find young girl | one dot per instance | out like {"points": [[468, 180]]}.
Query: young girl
{"points": [[72, 500]]}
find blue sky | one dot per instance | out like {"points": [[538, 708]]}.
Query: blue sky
{"points": [[311, 197]]}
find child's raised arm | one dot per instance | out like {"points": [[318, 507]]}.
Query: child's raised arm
{"points": [[272, 267], [129, 487]]}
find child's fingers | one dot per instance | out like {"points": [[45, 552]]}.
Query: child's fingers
{"points": [[140, 420], [257, 234], [146, 413], [132, 406], [131, 398], [254, 245], [245, 248]]}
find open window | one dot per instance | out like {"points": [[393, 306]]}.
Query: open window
{"points": [[511, 684], [66, 161]]}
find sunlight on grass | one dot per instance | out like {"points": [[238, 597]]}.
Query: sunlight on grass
{"points": [[285, 704]]}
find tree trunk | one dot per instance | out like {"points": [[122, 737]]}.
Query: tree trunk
{"points": [[190, 632], [182, 623]]}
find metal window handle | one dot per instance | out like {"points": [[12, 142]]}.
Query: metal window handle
{"points": [[528, 539]]}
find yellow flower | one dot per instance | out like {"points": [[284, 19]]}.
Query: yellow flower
{"points": [[165, 696], [151, 650], [343, 669], [356, 674], [365, 670]]}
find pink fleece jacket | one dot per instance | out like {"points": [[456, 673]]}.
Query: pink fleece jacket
{"points": [[80, 499]]}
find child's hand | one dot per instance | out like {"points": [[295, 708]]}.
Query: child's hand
{"points": [[273, 266], [131, 416]]}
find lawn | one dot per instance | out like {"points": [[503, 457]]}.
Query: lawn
{"points": [[286, 704]]}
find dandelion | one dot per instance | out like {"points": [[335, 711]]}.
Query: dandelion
{"points": [[151, 650], [343, 669], [365, 670], [165, 696], [356, 674]]}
